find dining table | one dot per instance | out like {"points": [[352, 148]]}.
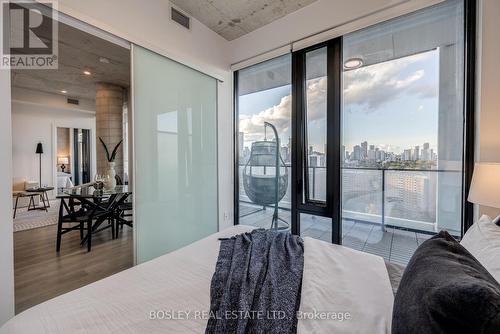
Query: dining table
{"points": [[98, 205]]}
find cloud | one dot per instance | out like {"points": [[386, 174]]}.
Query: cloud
{"points": [[368, 87], [372, 86], [280, 115], [424, 91]]}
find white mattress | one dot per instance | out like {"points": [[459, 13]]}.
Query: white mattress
{"points": [[336, 279], [64, 180]]}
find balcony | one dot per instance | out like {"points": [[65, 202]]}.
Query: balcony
{"points": [[386, 212]]}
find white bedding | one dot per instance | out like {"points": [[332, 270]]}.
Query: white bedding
{"points": [[336, 281], [64, 180]]}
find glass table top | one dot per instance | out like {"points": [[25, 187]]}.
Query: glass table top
{"points": [[90, 191]]}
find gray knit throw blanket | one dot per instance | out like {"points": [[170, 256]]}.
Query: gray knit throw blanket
{"points": [[256, 285]]}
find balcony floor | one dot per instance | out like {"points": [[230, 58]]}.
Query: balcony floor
{"points": [[394, 245]]}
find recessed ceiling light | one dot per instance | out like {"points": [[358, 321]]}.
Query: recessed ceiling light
{"points": [[353, 63], [64, 91], [87, 72]]}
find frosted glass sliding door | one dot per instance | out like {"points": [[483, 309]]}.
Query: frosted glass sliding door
{"points": [[175, 133]]}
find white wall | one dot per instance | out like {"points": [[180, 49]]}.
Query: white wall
{"points": [[488, 86], [35, 117], [318, 17], [6, 232]]}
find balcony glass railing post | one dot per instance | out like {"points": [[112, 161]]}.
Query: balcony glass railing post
{"points": [[383, 200], [314, 182]]}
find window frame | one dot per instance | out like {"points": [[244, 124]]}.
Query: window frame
{"points": [[332, 208]]}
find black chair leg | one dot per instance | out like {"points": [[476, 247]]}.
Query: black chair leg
{"points": [[15, 207], [81, 230], [59, 228], [89, 235], [113, 230]]}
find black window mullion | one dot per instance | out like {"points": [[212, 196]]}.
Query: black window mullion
{"points": [[236, 168], [334, 101], [469, 111], [304, 204], [295, 175]]}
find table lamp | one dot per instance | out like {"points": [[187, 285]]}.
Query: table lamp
{"points": [[485, 186], [63, 161]]}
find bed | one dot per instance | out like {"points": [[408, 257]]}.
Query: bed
{"points": [[64, 180], [171, 294]]}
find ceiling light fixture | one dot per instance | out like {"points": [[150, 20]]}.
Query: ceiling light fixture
{"points": [[87, 72], [64, 91], [353, 63]]}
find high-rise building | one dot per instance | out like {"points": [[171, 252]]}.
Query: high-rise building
{"points": [[371, 153], [433, 155], [416, 153], [357, 153], [364, 150], [381, 156], [313, 161], [241, 141], [406, 156], [289, 146], [246, 154], [284, 153]]}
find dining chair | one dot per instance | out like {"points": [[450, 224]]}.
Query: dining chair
{"points": [[123, 211], [81, 217]]}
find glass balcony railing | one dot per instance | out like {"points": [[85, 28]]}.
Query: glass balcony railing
{"points": [[422, 200]]}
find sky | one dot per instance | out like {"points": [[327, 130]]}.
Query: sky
{"points": [[392, 105]]}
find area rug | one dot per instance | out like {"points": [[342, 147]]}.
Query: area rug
{"points": [[27, 220]]}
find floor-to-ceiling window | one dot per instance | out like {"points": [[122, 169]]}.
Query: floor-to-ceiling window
{"points": [[379, 153], [264, 104], [402, 139]]}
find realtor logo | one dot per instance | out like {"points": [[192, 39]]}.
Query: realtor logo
{"points": [[29, 35]]}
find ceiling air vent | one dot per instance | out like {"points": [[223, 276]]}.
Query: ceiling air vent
{"points": [[73, 101], [180, 18]]}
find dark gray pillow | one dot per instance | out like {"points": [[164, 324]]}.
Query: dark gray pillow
{"points": [[444, 289]]}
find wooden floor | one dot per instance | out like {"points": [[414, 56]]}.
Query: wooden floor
{"points": [[41, 273]]}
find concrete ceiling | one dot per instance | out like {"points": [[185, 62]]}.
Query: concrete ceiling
{"points": [[234, 18], [78, 52]]}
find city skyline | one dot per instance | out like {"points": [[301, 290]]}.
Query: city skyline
{"points": [[362, 152], [369, 152]]}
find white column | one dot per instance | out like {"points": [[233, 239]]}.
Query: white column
{"points": [[109, 125]]}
